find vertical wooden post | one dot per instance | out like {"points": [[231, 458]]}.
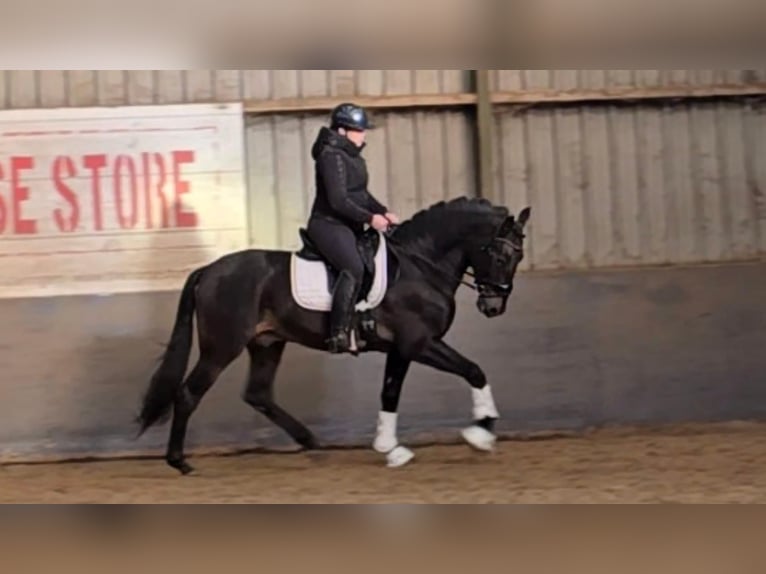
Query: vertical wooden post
{"points": [[484, 125]]}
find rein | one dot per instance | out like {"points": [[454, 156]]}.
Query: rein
{"points": [[474, 286], [433, 267]]}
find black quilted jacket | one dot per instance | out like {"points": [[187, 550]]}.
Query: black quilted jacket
{"points": [[341, 182]]}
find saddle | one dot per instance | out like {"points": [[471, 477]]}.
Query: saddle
{"points": [[313, 279], [367, 245]]}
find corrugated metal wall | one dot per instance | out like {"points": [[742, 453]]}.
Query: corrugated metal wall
{"points": [[610, 185], [54, 88], [634, 184], [594, 79]]}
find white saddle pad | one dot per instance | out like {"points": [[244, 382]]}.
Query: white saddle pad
{"points": [[308, 282]]}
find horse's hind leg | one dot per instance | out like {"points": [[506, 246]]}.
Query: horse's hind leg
{"points": [[202, 377], [259, 393]]}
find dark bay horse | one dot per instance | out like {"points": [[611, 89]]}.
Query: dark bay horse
{"points": [[244, 301]]}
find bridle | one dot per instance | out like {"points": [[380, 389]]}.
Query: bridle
{"points": [[483, 288], [490, 288]]}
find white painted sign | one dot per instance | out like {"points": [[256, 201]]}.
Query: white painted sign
{"points": [[112, 200]]}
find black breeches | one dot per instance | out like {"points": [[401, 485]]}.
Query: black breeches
{"points": [[338, 244]]}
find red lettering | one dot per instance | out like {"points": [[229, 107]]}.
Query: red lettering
{"points": [[21, 194], [126, 162], [147, 190], [63, 167], [95, 163], [3, 210], [164, 208], [183, 218]]}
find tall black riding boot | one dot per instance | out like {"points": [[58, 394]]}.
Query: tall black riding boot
{"points": [[341, 315]]}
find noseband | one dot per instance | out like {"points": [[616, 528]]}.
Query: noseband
{"points": [[490, 288]]}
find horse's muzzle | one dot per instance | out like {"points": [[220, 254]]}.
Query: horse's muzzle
{"points": [[491, 306]]}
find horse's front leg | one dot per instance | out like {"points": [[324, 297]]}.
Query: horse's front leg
{"points": [[441, 356], [385, 437]]}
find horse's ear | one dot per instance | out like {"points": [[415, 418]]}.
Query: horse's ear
{"points": [[506, 227], [524, 216]]}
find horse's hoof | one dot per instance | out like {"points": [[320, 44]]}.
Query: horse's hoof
{"points": [[479, 438], [181, 466], [399, 457], [309, 443]]}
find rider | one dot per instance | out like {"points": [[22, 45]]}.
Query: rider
{"points": [[342, 207]]}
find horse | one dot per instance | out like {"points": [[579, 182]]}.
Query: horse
{"points": [[251, 299]]}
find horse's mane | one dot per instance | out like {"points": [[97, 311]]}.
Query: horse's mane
{"points": [[452, 216]]}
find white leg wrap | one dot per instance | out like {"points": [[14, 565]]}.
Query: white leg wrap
{"points": [[385, 438], [479, 438], [387, 443], [484, 404]]}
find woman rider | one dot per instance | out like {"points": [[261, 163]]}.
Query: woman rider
{"points": [[342, 207]]}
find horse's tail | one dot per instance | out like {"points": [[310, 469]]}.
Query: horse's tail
{"points": [[169, 375]]}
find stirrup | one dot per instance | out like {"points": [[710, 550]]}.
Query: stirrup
{"points": [[342, 343], [339, 343]]}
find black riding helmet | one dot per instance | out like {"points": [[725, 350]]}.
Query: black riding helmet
{"points": [[351, 117]]}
